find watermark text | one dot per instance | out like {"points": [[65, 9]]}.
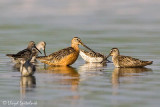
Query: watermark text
{"points": [[19, 103]]}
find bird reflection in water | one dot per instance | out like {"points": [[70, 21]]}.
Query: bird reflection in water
{"points": [[27, 84], [68, 77], [126, 72], [91, 69]]}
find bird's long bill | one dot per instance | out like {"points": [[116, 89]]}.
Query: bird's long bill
{"points": [[106, 58], [86, 47], [44, 51], [108, 55], [37, 49]]}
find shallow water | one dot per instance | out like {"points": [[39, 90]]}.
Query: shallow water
{"points": [[132, 26]]}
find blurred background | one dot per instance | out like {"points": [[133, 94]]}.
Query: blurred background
{"points": [[96, 22]]}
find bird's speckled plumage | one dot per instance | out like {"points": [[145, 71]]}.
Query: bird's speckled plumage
{"points": [[126, 61], [26, 53], [57, 58], [91, 56], [65, 56]]}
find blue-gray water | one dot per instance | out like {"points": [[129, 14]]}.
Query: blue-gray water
{"points": [[132, 26]]}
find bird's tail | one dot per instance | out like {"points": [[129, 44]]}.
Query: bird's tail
{"points": [[145, 63], [149, 62], [9, 55]]}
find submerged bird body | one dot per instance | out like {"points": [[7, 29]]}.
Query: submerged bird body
{"points": [[65, 56], [126, 61], [27, 68], [90, 56]]}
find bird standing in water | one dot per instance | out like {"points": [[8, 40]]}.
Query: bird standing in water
{"points": [[126, 61], [26, 53], [65, 56], [93, 57]]}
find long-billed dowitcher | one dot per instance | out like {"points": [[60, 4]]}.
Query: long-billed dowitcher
{"points": [[92, 56], [40, 45], [65, 56], [24, 53], [126, 61], [27, 68]]}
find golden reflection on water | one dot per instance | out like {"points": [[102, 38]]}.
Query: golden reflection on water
{"points": [[73, 76], [70, 77], [125, 72]]}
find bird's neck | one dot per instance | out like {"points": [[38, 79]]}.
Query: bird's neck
{"points": [[75, 46], [30, 48], [38, 46], [115, 58]]}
